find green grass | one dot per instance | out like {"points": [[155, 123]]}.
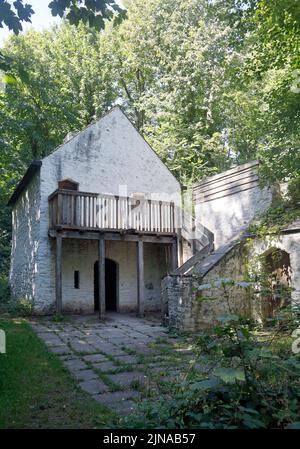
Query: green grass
{"points": [[36, 390]]}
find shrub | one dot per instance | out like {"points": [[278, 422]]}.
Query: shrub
{"points": [[4, 290], [251, 380], [294, 190]]}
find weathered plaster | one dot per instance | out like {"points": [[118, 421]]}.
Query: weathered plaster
{"points": [[227, 217], [25, 243], [226, 203]]}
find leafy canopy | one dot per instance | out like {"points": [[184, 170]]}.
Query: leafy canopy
{"points": [[93, 12]]}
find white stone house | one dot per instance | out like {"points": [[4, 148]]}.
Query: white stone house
{"points": [[94, 225], [98, 224]]}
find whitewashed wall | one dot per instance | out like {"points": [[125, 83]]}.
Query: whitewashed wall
{"points": [[227, 203], [82, 254], [107, 157], [25, 242]]}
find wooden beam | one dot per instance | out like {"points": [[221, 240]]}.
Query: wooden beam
{"points": [[140, 278], [58, 273], [101, 276], [90, 235]]}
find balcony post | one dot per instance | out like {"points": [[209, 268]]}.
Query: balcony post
{"points": [[140, 278], [101, 276], [58, 273], [174, 255], [59, 209]]}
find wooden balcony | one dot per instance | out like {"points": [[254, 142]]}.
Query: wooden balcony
{"points": [[74, 210]]}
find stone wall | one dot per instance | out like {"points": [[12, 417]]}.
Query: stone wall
{"points": [[287, 241], [227, 203], [189, 310], [25, 244]]}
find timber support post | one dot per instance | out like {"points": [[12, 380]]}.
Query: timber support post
{"points": [[174, 255], [101, 276], [140, 278], [58, 273]]}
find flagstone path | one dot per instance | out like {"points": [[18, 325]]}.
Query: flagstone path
{"points": [[117, 361]]}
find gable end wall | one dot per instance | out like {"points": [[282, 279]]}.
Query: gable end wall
{"points": [[104, 157], [25, 242]]}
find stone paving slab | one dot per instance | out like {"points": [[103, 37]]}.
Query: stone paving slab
{"points": [[117, 396], [126, 378], [50, 339], [85, 374], [93, 386], [95, 358], [84, 345], [127, 359], [59, 350], [75, 364], [113, 350], [105, 366]]}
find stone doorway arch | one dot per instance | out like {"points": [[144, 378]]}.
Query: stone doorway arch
{"points": [[276, 267]]}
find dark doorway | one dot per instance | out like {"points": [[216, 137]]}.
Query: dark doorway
{"points": [[277, 268], [110, 285]]}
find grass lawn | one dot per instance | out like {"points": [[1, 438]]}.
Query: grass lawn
{"points": [[36, 391]]}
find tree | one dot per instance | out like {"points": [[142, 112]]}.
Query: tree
{"points": [[93, 12], [169, 59], [273, 59], [58, 83]]}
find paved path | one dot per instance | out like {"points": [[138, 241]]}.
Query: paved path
{"points": [[116, 361]]}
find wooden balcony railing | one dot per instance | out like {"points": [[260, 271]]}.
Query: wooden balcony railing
{"points": [[92, 211]]}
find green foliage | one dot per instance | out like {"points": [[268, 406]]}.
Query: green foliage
{"points": [[277, 217], [58, 317], [250, 380], [93, 12], [294, 190], [11, 307], [253, 382], [13, 17], [36, 390], [4, 290], [171, 63]]}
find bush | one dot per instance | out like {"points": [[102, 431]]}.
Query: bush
{"points": [[9, 305], [4, 290], [253, 382], [294, 190]]}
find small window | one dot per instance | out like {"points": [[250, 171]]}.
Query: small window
{"points": [[76, 279]]}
